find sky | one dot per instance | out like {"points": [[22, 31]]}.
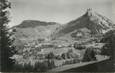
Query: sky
{"points": [[61, 11]]}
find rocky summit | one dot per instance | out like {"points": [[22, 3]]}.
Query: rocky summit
{"points": [[90, 22]]}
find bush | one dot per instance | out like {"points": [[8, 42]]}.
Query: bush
{"points": [[71, 61], [106, 50], [58, 57], [37, 66], [79, 46], [23, 67], [50, 56], [64, 56]]}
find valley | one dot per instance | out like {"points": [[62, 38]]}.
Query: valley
{"points": [[42, 46]]}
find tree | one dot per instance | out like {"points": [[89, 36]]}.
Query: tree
{"points": [[5, 37], [50, 56], [109, 48], [89, 55]]}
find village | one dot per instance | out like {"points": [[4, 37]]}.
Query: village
{"points": [[56, 55]]}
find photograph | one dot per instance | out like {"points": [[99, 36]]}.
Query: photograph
{"points": [[57, 36]]}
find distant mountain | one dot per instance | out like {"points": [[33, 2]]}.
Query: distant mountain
{"points": [[30, 30], [91, 23], [88, 25], [34, 23]]}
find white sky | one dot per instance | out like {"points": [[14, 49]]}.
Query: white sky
{"points": [[61, 11]]}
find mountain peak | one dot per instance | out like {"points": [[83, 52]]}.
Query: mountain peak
{"points": [[90, 12], [91, 20]]}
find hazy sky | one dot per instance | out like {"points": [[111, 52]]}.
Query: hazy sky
{"points": [[61, 11]]}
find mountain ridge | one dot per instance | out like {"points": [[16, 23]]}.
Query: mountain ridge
{"points": [[91, 20], [30, 30], [34, 23], [89, 24]]}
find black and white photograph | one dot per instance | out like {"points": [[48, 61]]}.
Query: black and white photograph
{"points": [[57, 36]]}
